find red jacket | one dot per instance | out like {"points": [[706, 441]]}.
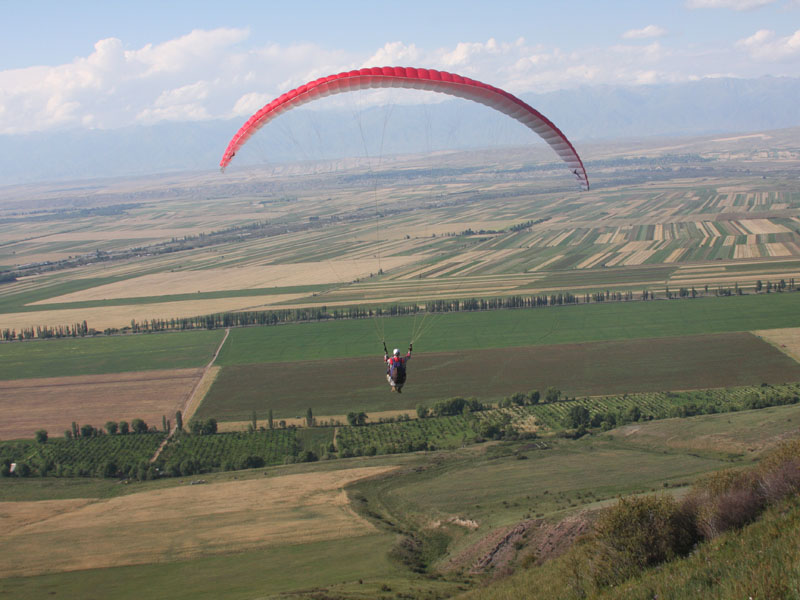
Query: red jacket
{"points": [[392, 361]]}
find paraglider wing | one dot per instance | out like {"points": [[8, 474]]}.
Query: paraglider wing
{"points": [[420, 79]]}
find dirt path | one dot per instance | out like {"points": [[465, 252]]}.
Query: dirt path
{"points": [[187, 410]]}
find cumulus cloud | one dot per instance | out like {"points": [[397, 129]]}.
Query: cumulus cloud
{"points": [[392, 54], [201, 75], [731, 4], [765, 45], [220, 74], [651, 31]]}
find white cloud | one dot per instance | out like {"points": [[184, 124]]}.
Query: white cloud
{"points": [[651, 31], [732, 4], [250, 103], [219, 74], [393, 54], [766, 46], [201, 75]]}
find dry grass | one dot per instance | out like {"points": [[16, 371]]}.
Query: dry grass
{"points": [[53, 403], [179, 523]]}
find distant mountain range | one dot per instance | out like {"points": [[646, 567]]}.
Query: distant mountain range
{"points": [[708, 106]]}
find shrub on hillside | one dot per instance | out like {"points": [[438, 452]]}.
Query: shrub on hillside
{"points": [[639, 532], [730, 499]]}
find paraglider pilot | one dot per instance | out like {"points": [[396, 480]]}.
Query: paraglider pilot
{"points": [[396, 367]]}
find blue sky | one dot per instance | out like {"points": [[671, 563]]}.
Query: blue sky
{"points": [[81, 64]]}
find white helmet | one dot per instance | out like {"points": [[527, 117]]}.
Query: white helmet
{"points": [[396, 352]]}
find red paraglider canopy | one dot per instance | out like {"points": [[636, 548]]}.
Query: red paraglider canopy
{"points": [[420, 79]]}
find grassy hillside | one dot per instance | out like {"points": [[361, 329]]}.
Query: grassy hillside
{"points": [[734, 535]]}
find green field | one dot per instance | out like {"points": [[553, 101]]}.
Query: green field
{"points": [[337, 386], [445, 332], [107, 354], [511, 328], [263, 573]]}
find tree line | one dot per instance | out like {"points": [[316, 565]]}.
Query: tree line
{"points": [[324, 313]]}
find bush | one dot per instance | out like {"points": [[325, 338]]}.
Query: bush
{"points": [[639, 532], [203, 427], [251, 462], [578, 416], [519, 399], [307, 456]]}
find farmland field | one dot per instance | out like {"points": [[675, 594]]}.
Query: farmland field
{"points": [[103, 355], [518, 327], [53, 403], [402, 508], [335, 386], [489, 224], [179, 522]]}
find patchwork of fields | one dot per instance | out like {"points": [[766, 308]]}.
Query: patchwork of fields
{"points": [[373, 512], [481, 230]]}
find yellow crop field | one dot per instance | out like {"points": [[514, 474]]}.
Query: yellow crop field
{"points": [[179, 523]]}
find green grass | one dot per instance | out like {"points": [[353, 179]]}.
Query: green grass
{"points": [[744, 432], [112, 354], [554, 481], [493, 487], [337, 386], [509, 328], [256, 574], [51, 488], [504, 489]]}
